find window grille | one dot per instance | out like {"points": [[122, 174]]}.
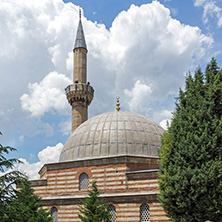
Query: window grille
{"points": [[54, 214], [144, 213], [84, 181], [112, 211]]}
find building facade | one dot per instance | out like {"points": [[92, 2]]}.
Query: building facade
{"points": [[117, 149]]}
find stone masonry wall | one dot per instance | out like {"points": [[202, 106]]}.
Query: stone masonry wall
{"points": [[112, 180]]}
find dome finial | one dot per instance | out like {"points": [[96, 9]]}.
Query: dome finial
{"points": [[117, 104]]}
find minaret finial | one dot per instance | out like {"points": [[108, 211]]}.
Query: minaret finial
{"points": [[117, 104], [80, 13]]}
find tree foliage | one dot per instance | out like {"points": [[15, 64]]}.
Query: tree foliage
{"points": [[92, 209], [25, 207], [190, 178], [9, 179], [17, 206]]}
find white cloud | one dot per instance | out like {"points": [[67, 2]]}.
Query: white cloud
{"points": [[199, 2], [47, 95], [29, 29], [144, 47], [165, 123], [146, 44], [48, 155], [21, 138], [138, 96], [156, 49], [211, 9], [165, 116], [65, 127]]}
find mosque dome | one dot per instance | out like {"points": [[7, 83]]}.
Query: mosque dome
{"points": [[113, 134]]}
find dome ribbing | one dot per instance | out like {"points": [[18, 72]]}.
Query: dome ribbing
{"points": [[113, 134]]}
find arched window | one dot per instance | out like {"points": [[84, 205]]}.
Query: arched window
{"points": [[144, 213], [54, 214], [83, 181], [112, 211]]}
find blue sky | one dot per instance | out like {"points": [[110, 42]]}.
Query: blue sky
{"points": [[106, 11], [138, 50]]}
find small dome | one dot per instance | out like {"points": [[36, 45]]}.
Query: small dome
{"points": [[113, 134]]}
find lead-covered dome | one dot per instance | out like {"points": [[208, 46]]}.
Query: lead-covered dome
{"points": [[113, 134]]}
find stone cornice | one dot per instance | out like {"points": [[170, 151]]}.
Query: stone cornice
{"points": [[142, 171], [108, 197], [96, 162]]}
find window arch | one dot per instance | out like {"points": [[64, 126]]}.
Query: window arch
{"points": [[54, 214], [144, 213], [83, 181], [112, 211]]}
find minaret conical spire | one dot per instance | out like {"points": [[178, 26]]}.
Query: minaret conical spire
{"points": [[80, 38]]}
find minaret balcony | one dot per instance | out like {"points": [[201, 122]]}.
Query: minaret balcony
{"points": [[80, 92]]}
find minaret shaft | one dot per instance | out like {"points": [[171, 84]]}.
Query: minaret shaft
{"points": [[80, 65], [79, 115], [80, 94]]}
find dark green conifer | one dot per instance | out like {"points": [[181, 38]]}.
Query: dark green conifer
{"points": [[92, 209], [17, 206], [7, 179], [25, 207], [190, 178]]}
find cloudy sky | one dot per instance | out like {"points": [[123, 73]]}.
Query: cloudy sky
{"points": [[139, 50]]}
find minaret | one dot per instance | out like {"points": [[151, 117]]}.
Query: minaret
{"points": [[80, 94]]}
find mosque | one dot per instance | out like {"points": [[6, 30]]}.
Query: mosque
{"points": [[117, 149]]}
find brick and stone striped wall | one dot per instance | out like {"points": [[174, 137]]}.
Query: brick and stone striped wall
{"points": [[125, 212], [126, 185]]}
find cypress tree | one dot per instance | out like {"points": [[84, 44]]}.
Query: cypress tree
{"points": [[190, 178]]}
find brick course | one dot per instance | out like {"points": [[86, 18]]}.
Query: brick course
{"points": [[125, 184]]}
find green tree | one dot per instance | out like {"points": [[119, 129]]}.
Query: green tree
{"points": [[7, 180], [17, 206], [190, 178], [25, 207], [92, 209]]}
